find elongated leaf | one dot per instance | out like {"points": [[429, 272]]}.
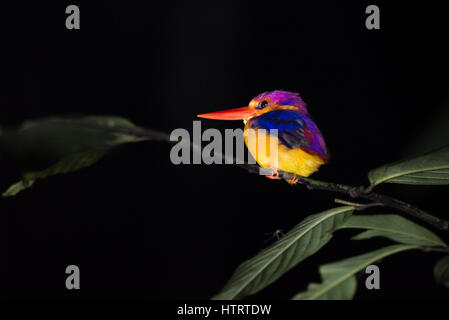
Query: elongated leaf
{"points": [[441, 271], [17, 187], [393, 227], [302, 241], [336, 276], [47, 147], [429, 169], [343, 291]]}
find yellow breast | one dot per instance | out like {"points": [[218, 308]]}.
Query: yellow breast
{"points": [[269, 152]]}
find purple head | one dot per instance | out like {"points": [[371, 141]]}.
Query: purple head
{"points": [[279, 98]]}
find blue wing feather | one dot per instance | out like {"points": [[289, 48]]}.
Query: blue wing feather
{"points": [[289, 123]]}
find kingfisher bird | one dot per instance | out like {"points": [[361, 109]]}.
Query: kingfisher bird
{"points": [[301, 149]]}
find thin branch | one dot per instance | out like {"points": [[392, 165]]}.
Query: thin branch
{"points": [[143, 134], [361, 192], [436, 249], [359, 206], [352, 191]]}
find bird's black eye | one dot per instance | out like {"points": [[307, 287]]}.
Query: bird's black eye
{"points": [[262, 104]]}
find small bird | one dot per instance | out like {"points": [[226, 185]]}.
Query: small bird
{"points": [[301, 147]]}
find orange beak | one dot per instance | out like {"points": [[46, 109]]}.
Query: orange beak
{"points": [[231, 114]]}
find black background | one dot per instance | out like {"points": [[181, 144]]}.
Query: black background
{"points": [[140, 227]]}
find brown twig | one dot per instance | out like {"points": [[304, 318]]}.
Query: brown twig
{"points": [[359, 206], [354, 192], [363, 193], [436, 249]]}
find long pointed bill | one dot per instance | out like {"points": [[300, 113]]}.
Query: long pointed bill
{"points": [[231, 114]]}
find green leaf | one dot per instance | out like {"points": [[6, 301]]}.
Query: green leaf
{"points": [[51, 146], [441, 271], [302, 241], [393, 227], [338, 277], [343, 291], [17, 187], [429, 169]]}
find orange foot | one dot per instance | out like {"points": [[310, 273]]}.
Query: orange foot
{"points": [[275, 174], [293, 180]]}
